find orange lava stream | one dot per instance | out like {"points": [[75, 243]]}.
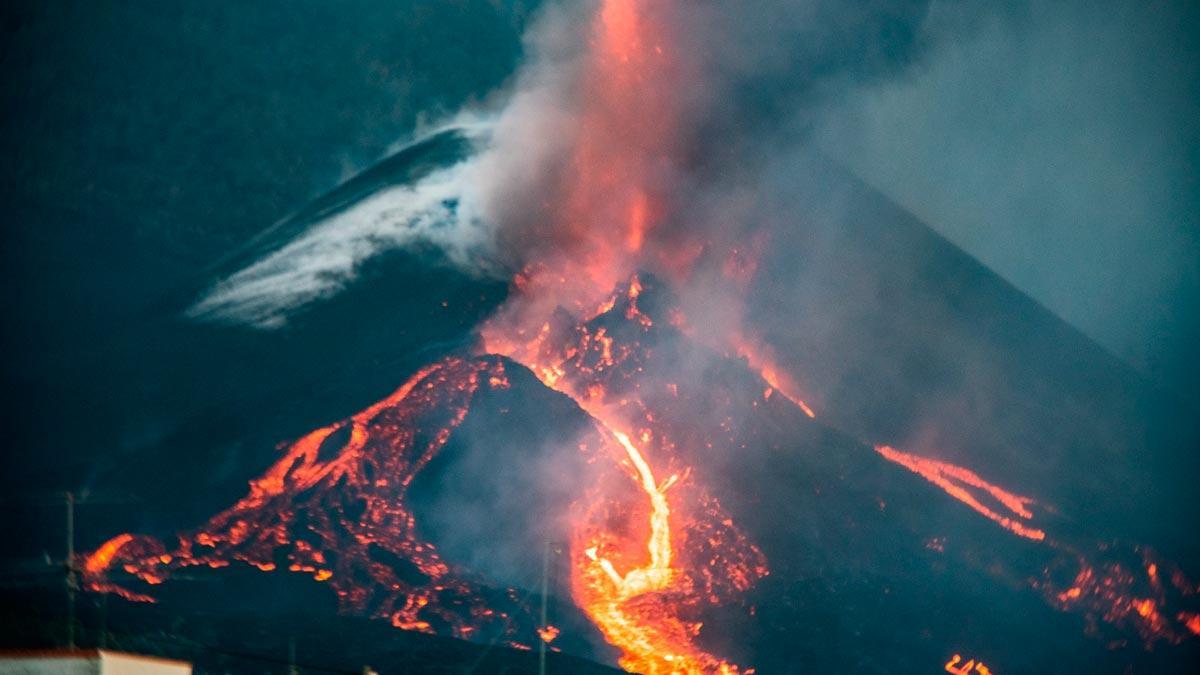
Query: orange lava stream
{"points": [[652, 641], [955, 480], [99, 560], [633, 609], [637, 609], [657, 574], [760, 361], [968, 668], [609, 206], [334, 507]]}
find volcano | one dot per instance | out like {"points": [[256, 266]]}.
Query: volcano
{"points": [[916, 558], [702, 426]]}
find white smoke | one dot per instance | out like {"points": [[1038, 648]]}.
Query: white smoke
{"points": [[437, 210], [516, 147]]}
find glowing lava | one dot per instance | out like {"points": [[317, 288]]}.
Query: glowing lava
{"points": [[762, 363], [958, 482], [636, 582], [334, 508], [956, 666]]}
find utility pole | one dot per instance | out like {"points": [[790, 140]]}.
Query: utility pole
{"points": [[69, 566], [72, 578]]}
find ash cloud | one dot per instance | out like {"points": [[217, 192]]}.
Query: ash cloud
{"points": [[743, 82], [1055, 128]]}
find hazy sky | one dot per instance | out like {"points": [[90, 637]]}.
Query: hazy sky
{"points": [[1059, 144]]}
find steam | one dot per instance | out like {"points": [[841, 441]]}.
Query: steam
{"points": [[436, 210], [458, 210], [867, 84]]}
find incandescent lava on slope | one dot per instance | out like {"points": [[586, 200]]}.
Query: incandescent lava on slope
{"points": [[644, 566], [652, 551], [637, 363], [333, 507]]}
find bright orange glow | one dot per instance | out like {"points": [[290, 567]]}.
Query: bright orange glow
{"points": [[99, 561], [956, 481], [620, 35], [632, 587], [548, 634], [652, 637], [1121, 596], [760, 361], [637, 223], [1191, 621], [972, 666], [343, 486]]}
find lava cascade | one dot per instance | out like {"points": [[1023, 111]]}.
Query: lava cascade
{"points": [[640, 595]]}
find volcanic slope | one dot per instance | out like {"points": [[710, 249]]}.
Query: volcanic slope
{"points": [[876, 567], [872, 566], [901, 338]]}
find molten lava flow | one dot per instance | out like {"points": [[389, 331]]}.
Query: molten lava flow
{"points": [[648, 631], [100, 559], [971, 667], [675, 548], [778, 379], [956, 481], [609, 207], [1119, 593], [1125, 592], [334, 508], [657, 574]]}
